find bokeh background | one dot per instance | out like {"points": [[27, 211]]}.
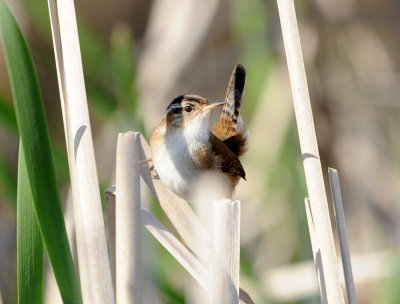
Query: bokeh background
{"points": [[138, 55]]}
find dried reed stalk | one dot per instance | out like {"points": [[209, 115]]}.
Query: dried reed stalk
{"points": [[187, 259], [342, 232], [225, 278], [179, 251], [316, 252], [110, 205], [183, 219], [94, 267], [311, 228], [309, 150], [128, 224]]}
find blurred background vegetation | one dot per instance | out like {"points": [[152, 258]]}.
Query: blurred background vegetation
{"points": [[138, 55]]}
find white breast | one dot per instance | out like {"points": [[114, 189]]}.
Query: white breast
{"points": [[173, 158], [174, 166]]}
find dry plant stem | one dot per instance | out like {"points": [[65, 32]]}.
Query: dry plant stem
{"points": [[311, 228], [309, 150], [342, 232], [94, 267], [110, 204], [227, 251], [179, 251], [316, 251], [167, 240], [128, 223], [174, 247]]}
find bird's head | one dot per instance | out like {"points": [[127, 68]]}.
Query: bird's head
{"points": [[188, 109]]}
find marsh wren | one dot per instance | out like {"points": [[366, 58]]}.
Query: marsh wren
{"points": [[183, 148]]}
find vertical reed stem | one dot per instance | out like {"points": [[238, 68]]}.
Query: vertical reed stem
{"points": [[309, 150], [342, 231], [316, 252], [110, 204], [128, 224], [94, 267], [227, 251]]}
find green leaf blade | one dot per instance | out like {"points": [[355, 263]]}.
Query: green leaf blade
{"points": [[34, 134], [30, 254]]}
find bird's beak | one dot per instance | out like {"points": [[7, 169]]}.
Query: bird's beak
{"points": [[213, 104]]}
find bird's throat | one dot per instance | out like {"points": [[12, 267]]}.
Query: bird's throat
{"points": [[196, 131]]}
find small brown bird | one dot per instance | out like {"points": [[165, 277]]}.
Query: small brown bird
{"points": [[183, 148]]}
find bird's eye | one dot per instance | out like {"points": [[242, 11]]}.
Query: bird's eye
{"points": [[188, 109]]}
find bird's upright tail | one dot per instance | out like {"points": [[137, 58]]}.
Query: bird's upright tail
{"points": [[230, 127]]}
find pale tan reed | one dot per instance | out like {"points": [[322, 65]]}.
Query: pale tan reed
{"points": [[128, 272], [226, 239], [309, 150], [93, 260], [342, 232]]}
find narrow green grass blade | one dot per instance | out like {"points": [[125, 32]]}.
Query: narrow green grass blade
{"points": [[8, 178], [30, 255], [7, 115], [39, 161], [8, 182]]}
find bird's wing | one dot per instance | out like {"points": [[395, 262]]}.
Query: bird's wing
{"points": [[229, 162]]}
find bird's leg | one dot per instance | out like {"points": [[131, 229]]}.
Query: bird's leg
{"points": [[144, 161]]}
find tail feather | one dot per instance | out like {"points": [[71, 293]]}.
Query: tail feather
{"points": [[230, 127]]}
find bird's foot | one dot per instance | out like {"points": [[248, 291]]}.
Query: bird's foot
{"points": [[146, 161]]}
